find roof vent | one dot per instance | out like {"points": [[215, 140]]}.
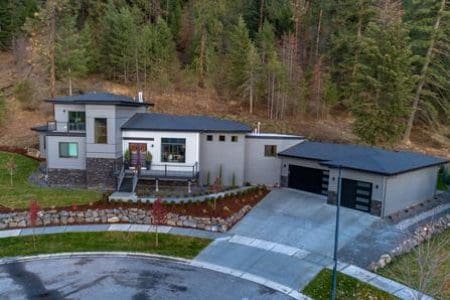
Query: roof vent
{"points": [[141, 97]]}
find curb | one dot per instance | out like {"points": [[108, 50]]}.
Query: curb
{"points": [[207, 266]]}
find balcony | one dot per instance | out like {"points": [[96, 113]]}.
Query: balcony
{"points": [[166, 172], [66, 126]]}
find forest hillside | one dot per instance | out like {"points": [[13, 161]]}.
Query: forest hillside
{"points": [[365, 71]]}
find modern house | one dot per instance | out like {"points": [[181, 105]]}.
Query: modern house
{"points": [[92, 133]]}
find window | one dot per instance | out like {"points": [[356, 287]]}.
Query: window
{"points": [[209, 138], [68, 150], [234, 138], [100, 131], [173, 150], [270, 150], [77, 120], [222, 138]]}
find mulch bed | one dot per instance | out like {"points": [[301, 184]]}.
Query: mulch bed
{"points": [[225, 207]]}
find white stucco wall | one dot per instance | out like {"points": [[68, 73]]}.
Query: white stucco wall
{"points": [[410, 188], [260, 169], [192, 146], [230, 155], [56, 162], [123, 114]]}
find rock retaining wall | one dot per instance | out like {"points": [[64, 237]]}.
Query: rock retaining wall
{"points": [[420, 235], [118, 215]]}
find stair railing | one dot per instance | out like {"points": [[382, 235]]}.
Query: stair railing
{"points": [[120, 177], [135, 181]]}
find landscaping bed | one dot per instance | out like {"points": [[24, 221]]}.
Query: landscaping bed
{"points": [[347, 288], [171, 245], [19, 194], [218, 215]]}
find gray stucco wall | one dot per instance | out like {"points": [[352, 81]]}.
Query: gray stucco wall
{"points": [[107, 150], [56, 162], [42, 145], [260, 169], [231, 155], [123, 114], [410, 188]]}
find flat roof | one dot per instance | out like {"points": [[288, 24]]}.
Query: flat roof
{"points": [[98, 98], [165, 122], [362, 158]]}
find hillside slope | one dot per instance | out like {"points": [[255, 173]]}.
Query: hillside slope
{"points": [[337, 128]]}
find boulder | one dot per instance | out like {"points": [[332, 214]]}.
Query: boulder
{"points": [[113, 220]]}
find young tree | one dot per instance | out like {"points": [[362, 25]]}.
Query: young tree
{"points": [[33, 213], [217, 188], [383, 77], [11, 167], [158, 216], [251, 75]]}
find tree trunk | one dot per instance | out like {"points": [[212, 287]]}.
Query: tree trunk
{"points": [[423, 73], [70, 82], [201, 80], [156, 236], [52, 51], [318, 34], [251, 94], [261, 14], [138, 84]]}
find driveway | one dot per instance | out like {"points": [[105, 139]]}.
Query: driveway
{"points": [[289, 237], [115, 277]]}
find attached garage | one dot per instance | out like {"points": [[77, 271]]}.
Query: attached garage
{"points": [[308, 179], [373, 180]]}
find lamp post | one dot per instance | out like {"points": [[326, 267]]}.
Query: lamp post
{"points": [[336, 236]]}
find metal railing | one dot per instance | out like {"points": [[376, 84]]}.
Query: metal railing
{"points": [[120, 177], [66, 126], [135, 181], [171, 170]]}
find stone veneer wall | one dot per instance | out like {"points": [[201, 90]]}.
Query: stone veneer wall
{"points": [[66, 177], [100, 172], [375, 206]]}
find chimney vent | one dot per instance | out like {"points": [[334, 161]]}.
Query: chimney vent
{"points": [[141, 97]]}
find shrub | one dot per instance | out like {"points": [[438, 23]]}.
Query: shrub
{"points": [[25, 93]]}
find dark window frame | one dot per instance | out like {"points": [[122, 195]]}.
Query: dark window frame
{"points": [[104, 137], [234, 138], [76, 125], [60, 144], [222, 138], [175, 146], [209, 138], [270, 150]]}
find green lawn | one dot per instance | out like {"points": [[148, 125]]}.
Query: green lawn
{"points": [[435, 255], [173, 245], [21, 192], [348, 288]]}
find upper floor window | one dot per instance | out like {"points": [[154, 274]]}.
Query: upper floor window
{"points": [[100, 131], [234, 138], [68, 150], [77, 120], [209, 137], [222, 138], [173, 150], [270, 150]]}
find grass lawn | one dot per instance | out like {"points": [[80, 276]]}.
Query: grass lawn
{"points": [[347, 288], [21, 192], [173, 245], [436, 252]]}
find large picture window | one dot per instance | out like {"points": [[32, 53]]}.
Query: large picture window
{"points": [[68, 150], [77, 120], [101, 132], [173, 150]]}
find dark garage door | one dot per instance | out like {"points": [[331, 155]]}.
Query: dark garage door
{"points": [[356, 194], [308, 179]]}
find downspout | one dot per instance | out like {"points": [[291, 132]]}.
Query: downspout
{"points": [[383, 203]]}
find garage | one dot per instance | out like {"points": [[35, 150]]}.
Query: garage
{"points": [[356, 194], [308, 179]]}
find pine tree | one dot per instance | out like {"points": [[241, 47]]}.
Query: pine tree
{"points": [[430, 30], [383, 79], [239, 46], [251, 75], [72, 56]]}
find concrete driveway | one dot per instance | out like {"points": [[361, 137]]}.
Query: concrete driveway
{"points": [[288, 237], [116, 277]]}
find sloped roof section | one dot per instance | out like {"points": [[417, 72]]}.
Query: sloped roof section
{"points": [[164, 122], [362, 158], [98, 98]]}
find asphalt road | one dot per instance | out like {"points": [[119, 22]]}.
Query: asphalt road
{"points": [[113, 277]]}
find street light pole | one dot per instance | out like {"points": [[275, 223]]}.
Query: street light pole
{"points": [[336, 236]]}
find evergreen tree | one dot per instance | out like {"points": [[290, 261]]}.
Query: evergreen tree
{"points": [[238, 49], [383, 77], [174, 18], [251, 75], [72, 56], [429, 21]]}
